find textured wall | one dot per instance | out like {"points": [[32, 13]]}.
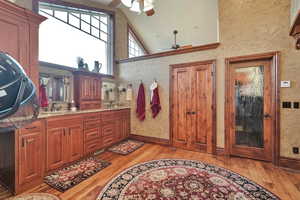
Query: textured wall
{"points": [[246, 27]]}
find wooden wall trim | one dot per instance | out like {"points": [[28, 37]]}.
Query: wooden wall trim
{"points": [[274, 57], [171, 53], [290, 163], [150, 139]]}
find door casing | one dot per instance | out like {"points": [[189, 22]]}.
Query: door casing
{"points": [[273, 57], [212, 146]]}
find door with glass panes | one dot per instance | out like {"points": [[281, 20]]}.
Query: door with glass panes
{"points": [[250, 105]]}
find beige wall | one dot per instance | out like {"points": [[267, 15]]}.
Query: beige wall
{"points": [[246, 27]]}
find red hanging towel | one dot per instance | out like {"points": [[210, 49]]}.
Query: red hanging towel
{"points": [[140, 103], [43, 97], [155, 101]]}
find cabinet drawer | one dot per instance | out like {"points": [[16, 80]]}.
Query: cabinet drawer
{"points": [[108, 140], [107, 116], [108, 129], [63, 122], [91, 147], [92, 134], [91, 124], [34, 127]]}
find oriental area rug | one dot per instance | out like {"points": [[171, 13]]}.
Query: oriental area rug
{"points": [[72, 175], [36, 196], [171, 179], [126, 147]]}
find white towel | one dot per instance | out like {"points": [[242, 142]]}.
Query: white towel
{"points": [[152, 87], [129, 94], [103, 93]]}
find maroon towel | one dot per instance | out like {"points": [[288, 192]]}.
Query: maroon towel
{"points": [[155, 103], [43, 96], [140, 103]]}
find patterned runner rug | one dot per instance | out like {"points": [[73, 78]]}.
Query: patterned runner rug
{"points": [[182, 179], [126, 147], [72, 175]]}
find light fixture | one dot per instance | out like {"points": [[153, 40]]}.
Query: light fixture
{"points": [[139, 6], [127, 3]]}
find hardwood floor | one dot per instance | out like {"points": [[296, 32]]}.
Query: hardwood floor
{"points": [[284, 183]]}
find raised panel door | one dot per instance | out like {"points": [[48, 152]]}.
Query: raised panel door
{"points": [[75, 143], [30, 157], [14, 39], [181, 94], [56, 151], [201, 106]]}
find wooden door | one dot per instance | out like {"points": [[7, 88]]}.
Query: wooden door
{"points": [[193, 106], [250, 104], [30, 157], [56, 151], [75, 143], [181, 95], [202, 107]]}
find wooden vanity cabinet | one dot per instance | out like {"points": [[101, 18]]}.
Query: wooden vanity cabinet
{"points": [[87, 90], [64, 141], [30, 154]]}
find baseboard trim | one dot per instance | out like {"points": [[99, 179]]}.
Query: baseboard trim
{"points": [[150, 139], [291, 163]]}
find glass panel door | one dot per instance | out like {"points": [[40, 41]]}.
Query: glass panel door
{"points": [[249, 106]]}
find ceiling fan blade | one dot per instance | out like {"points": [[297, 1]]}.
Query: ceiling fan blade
{"points": [[150, 12], [115, 3]]}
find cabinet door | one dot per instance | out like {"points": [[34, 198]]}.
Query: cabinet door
{"points": [[14, 38], [85, 88], [75, 143], [96, 88], [30, 157], [56, 139]]}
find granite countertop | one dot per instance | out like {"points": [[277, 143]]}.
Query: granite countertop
{"points": [[67, 112]]}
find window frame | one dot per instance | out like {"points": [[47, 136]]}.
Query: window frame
{"points": [[130, 30], [111, 63]]}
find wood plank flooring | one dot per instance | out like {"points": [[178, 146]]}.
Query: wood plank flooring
{"points": [[284, 183]]}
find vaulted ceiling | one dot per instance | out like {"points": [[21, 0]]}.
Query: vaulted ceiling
{"points": [[196, 21]]}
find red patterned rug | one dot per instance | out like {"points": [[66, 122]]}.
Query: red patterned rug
{"points": [[126, 147], [171, 179], [72, 175]]}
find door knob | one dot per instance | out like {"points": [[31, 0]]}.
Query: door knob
{"points": [[193, 113], [267, 116]]}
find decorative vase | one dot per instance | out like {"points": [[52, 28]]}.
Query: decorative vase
{"points": [[97, 67]]}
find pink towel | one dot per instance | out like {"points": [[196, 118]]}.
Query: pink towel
{"points": [[155, 103], [43, 97], [140, 103]]}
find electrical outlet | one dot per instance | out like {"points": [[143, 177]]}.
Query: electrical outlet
{"points": [[296, 150]]}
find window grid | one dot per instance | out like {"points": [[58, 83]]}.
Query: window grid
{"points": [[134, 48], [84, 25]]}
